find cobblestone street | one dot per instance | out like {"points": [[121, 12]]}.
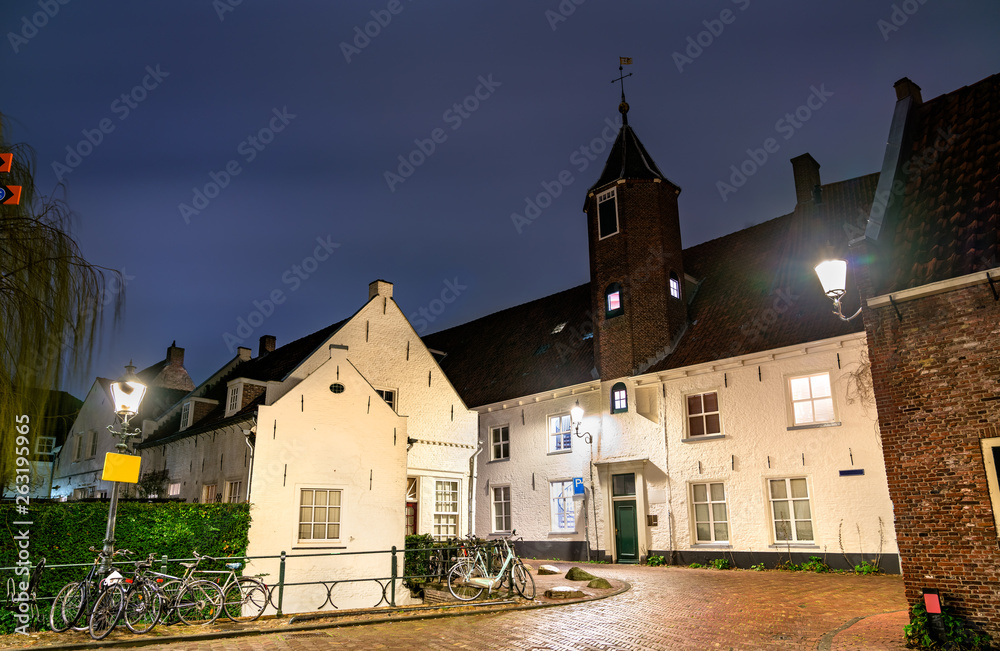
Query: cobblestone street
{"points": [[667, 608]]}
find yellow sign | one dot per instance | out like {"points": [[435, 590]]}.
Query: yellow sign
{"points": [[624, 61], [121, 467]]}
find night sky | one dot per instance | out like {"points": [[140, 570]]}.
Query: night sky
{"points": [[280, 127]]}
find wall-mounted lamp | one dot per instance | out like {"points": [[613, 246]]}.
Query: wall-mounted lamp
{"points": [[833, 276]]}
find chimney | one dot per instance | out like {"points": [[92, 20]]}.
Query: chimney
{"points": [[244, 353], [806, 171], [267, 343], [175, 355], [379, 288], [906, 88]]}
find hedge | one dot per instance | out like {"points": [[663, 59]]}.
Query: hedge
{"points": [[62, 532]]}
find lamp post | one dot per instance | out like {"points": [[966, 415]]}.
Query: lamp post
{"points": [[576, 415], [127, 393], [833, 276]]}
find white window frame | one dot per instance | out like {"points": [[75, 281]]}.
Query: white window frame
{"points": [[561, 493], [186, 409], [675, 286], [50, 444], [710, 512], [501, 509], [992, 477], [232, 494], [208, 497], [341, 506], [500, 437], [389, 395], [812, 401], [561, 440], [447, 521], [174, 490], [608, 195], [92, 445], [793, 533], [234, 399], [703, 415]]}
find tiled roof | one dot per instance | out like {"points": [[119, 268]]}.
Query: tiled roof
{"points": [[757, 292], [949, 218], [628, 159], [516, 352], [275, 365]]}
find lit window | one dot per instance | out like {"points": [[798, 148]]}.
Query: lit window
{"points": [[499, 443], [174, 490], [613, 300], [389, 396], [445, 509], [812, 399], [607, 214], [675, 285], [563, 511], [501, 509], [319, 514], [619, 398], [559, 328], [703, 414], [790, 510], [560, 435], [710, 516]]}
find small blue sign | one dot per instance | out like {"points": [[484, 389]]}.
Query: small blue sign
{"points": [[578, 486]]}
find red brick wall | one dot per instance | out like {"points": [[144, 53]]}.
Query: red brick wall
{"points": [[640, 258], [936, 377]]}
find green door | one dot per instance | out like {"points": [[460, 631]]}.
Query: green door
{"points": [[626, 532]]}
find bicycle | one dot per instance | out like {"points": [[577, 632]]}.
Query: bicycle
{"points": [[191, 600], [77, 598], [143, 600], [468, 578], [239, 593]]}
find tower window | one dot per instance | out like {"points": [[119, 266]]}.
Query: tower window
{"points": [[613, 301], [619, 398], [607, 214], [675, 285]]}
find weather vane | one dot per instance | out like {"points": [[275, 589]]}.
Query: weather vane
{"points": [[623, 107]]}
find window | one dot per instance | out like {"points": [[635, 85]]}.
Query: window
{"points": [[445, 509], [78, 446], [560, 436], [812, 399], [607, 214], [613, 301], [45, 444], [711, 522], [389, 396], [174, 490], [703, 414], [559, 328], [233, 491], [563, 512], [619, 398], [991, 460], [675, 285], [790, 510], [233, 404], [499, 443], [92, 445], [623, 485], [501, 509], [185, 416], [319, 514], [412, 497], [209, 493]]}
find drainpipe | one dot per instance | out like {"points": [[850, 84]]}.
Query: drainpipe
{"points": [[473, 474], [246, 434]]}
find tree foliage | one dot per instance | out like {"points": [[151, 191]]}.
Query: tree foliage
{"points": [[52, 301]]}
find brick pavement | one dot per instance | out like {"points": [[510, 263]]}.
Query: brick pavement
{"points": [[667, 608]]}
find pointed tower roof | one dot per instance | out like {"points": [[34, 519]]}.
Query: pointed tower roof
{"points": [[628, 158]]}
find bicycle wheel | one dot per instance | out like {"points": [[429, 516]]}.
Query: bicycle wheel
{"points": [[67, 606], [142, 608], [246, 598], [107, 611], [523, 582], [460, 581], [199, 602]]}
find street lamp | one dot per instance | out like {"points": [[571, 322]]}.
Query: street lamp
{"points": [[833, 276], [576, 415], [127, 393]]}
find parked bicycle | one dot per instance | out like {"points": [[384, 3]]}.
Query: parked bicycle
{"points": [[75, 601], [191, 600], [470, 576], [243, 596]]}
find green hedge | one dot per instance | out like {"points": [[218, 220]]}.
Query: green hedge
{"points": [[62, 532]]}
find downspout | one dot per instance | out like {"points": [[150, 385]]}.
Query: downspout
{"points": [[473, 474], [247, 433]]}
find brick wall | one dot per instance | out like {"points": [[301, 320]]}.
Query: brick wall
{"points": [[936, 376]]}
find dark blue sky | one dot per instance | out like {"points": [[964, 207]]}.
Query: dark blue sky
{"points": [[309, 118]]}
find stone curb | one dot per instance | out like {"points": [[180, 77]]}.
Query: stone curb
{"points": [[203, 637]]}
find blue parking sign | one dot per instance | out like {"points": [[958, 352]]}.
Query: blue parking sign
{"points": [[578, 486]]}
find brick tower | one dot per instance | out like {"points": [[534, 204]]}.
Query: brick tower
{"points": [[636, 266]]}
